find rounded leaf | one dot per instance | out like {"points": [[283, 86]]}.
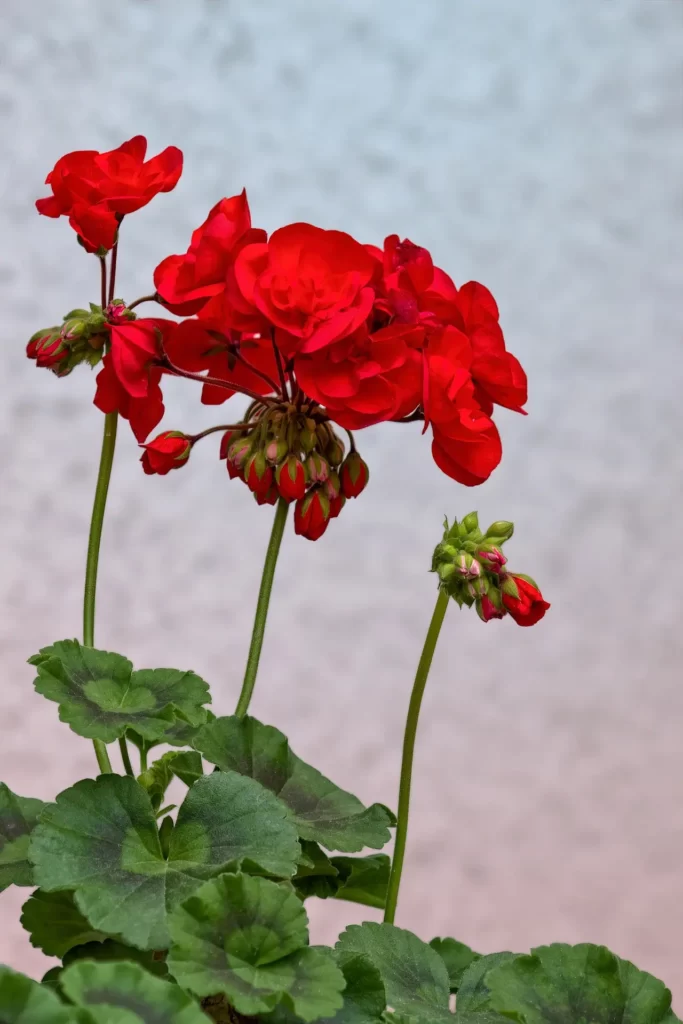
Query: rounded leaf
{"points": [[24, 1001], [105, 988]]}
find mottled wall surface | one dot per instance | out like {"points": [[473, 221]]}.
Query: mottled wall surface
{"points": [[535, 146]]}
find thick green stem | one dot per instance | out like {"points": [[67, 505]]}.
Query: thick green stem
{"points": [[409, 753], [262, 608], [125, 757], [99, 505]]}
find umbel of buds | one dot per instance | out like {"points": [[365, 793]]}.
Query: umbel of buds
{"points": [[472, 569], [80, 339]]}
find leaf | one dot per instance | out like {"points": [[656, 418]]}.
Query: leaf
{"points": [[473, 992], [126, 987], [111, 951], [322, 812], [18, 817], [24, 1001], [564, 984], [457, 958], [414, 975], [55, 923], [316, 874], [364, 879], [365, 998], [180, 734], [187, 765], [246, 938], [101, 840], [100, 696]]}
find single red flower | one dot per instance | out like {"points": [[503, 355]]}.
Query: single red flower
{"points": [[529, 606], [206, 271], [198, 345], [170, 450], [135, 346], [47, 347], [143, 414], [313, 285], [95, 190], [312, 514]]}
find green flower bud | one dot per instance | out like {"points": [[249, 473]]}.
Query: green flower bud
{"points": [[471, 522], [501, 531]]}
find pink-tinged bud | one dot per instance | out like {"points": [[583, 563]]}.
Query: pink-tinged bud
{"points": [[258, 475], [47, 348], [467, 566], [493, 560], [276, 451], [354, 475], [333, 485], [318, 468], [290, 477], [336, 505], [168, 451], [528, 607], [238, 452], [312, 515], [118, 313], [487, 610]]}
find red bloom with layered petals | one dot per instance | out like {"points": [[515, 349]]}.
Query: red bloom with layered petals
{"points": [[313, 285], [168, 451], [95, 190], [135, 346], [189, 283], [143, 414]]}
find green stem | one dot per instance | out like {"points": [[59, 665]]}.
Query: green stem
{"points": [[409, 753], [143, 757], [262, 608], [99, 505], [125, 756]]}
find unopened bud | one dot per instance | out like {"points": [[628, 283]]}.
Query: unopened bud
{"points": [[333, 485], [73, 329], [471, 522], [467, 566], [334, 453], [502, 531], [276, 451], [487, 609], [354, 475], [307, 439], [318, 468], [492, 558]]}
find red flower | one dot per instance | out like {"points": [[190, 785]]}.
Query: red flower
{"points": [[95, 190], [258, 475], [47, 348], [188, 283], [198, 345], [135, 346], [168, 451], [143, 413], [487, 609], [365, 378], [529, 606], [311, 284], [290, 477], [354, 475], [312, 514]]}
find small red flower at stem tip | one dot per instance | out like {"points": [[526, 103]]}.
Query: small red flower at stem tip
{"points": [[354, 475], [529, 606], [170, 450], [290, 477], [312, 514]]}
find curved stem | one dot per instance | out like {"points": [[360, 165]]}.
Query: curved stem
{"points": [[125, 757], [409, 752], [112, 273], [259, 629], [143, 298], [103, 282], [257, 373], [280, 369], [90, 589], [216, 381], [223, 427]]}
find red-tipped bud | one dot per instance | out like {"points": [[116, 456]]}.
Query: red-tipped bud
{"points": [[226, 441], [258, 475], [354, 475], [333, 485], [47, 347], [290, 477], [118, 313], [528, 607], [336, 505], [312, 514], [236, 454], [168, 451], [268, 497], [487, 610], [318, 468], [493, 560], [276, 451]]}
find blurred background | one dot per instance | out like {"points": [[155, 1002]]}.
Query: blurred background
{"points": [[536, 147]]}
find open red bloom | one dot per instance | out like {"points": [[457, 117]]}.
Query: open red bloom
{"points": [[529, 607], [135, 345], [95, 190], [143, 413], [170, 450], [311, 284], [198, 345], [187, 283]]}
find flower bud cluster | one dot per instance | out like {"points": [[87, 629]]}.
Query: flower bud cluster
{"points": [[471, 568], [80, 339], [296, 456]]}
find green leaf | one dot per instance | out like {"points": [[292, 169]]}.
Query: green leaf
{"points": [[180, 734], [365, 998], [563, 984], [100, 696], [323, 812], [247, 938], [18, 817], [457, 958], [55, 923], [414, 975], [316, 875], [24, 1001], [187, 765], [101, 840], [473, 992], [363, 879], [111, 951], [105, 988]]}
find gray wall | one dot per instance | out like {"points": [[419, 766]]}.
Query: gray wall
{"points": [[535, 146]]}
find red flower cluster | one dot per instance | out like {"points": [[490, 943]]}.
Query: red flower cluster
{"points": [[309, 323]]}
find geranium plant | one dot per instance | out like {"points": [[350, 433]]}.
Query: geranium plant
{"points": [[195, 913]]}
